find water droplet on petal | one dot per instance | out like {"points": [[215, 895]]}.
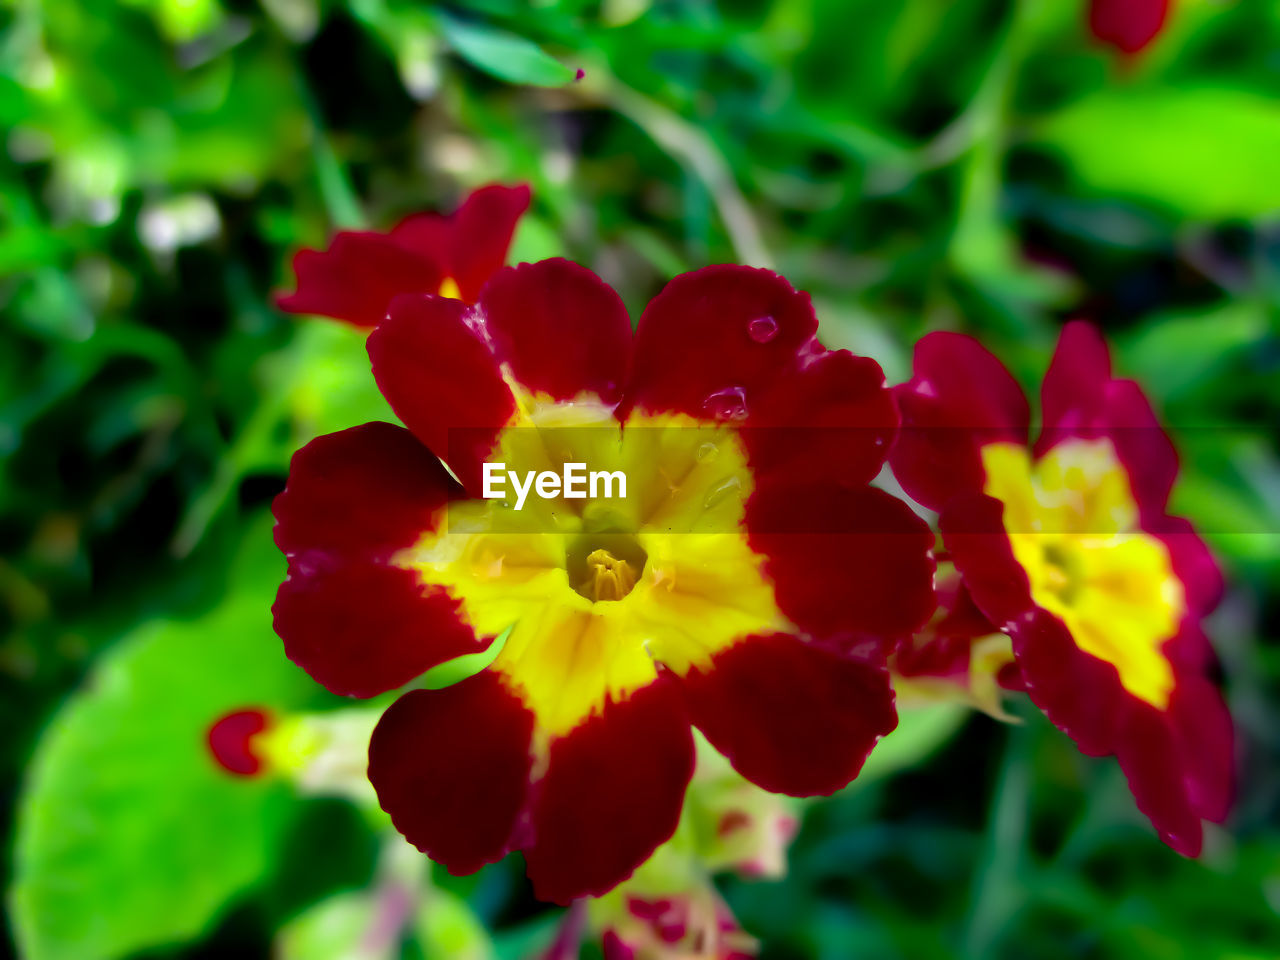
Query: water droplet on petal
{"points": [[727, 404], [707, 452], [721, 492], [762, 329]]}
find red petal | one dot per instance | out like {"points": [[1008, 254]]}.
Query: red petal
{"points": [[844, 562], [831, 419], [471, 244], [452, 769], [442, 380], [1128, 25], [792, 717], [1192, 563], [973, 530], [1152, 763], [1081, 399], [713, 341], [357, 278], [369, 490], [562, 329], [362, 628], [1072, 390], [959, 398], [612, 793], [1203, 729], [356, 624], [1080, 693]]}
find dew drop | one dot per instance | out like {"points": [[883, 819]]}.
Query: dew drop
{"points": [[721, 492], [727, 404], [707, 452], [762, 329]]}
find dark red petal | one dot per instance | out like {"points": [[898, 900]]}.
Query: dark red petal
{"points": [[830, 418], [612, 793], [1071, 393], [973, 530], [452, 769], [1206, 741], [356, 624], [471, 244], [361, 628], [713, 341], [1192, 563], [1151, 761], [367, 491], [1128, 25], [230, 740], [560, 328], [1145, 450], [843, 562], [442, 380], [959, 398], [791, 716], [1080, 693], [1081, 399], [357, 278]]}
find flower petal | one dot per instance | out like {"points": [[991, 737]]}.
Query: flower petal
{"points": [[831, 419], [452, 769], [1081, 399], [973, 530], [1152, 763], [560, 328], [959, 398], [1081, 694], [843, 562], [357, 624], [369, 490], [1192, 564], [1203, 730], [471, 243], [714, 340], [1071, 392], [442, 380], [791, 716], [612, 793], [357, 277]]}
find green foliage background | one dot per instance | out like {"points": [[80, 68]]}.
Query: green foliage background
{"points": [[979, 165]]}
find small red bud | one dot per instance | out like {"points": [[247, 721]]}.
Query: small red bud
{"points": [[1128, 25], [230, 741]]}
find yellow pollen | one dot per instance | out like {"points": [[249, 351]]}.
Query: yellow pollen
{"points": [[449, 288], [611, 578]]}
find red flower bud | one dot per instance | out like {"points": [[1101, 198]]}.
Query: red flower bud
{"points": [[231, 738], [1128, 25]]}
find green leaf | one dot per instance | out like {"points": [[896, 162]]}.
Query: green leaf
{"points": [[504, 55], [1204, 153], [128, 835]]}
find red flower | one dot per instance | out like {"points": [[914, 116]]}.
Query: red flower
{"points": [[1068, 546], [749, 583], [1128, 25], [453, 256]]}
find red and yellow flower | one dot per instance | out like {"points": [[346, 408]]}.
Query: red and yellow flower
{"points": [[751, 583], [1067, 545], [452, 255]]}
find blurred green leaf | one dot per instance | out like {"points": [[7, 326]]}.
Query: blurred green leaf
{"points": [[129, 836], [1202, 153], [504, 55]]}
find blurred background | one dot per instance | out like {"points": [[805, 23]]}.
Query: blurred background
{"points": [[989, 166]]}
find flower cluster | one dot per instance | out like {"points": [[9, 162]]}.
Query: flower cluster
{"points": [[753, 584]]}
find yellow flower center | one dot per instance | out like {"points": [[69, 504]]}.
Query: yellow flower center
{"points": [[1073, 525], [597, 591], [449, 288]]}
